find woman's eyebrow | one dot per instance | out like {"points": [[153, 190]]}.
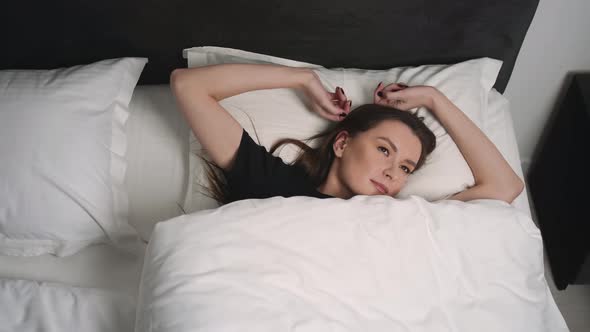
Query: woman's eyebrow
{"points": [[394, 147]]}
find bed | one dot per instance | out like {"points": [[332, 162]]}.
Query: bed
{"points": [[156, 173]]}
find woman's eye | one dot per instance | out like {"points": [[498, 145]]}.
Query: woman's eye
{"points": [[406, 170], [384, 150]]}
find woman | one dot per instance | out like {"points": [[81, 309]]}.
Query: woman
{"points": [[371, 150]]}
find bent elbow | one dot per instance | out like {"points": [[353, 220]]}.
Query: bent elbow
{"points": [[508, 193], [518, 189], [176, 79]]}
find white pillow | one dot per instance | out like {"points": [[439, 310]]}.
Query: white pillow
{"points": [[63, 146], [157, 158], [282, 113]]}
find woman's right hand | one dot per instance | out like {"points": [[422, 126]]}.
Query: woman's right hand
{"points": [[333, 106]]}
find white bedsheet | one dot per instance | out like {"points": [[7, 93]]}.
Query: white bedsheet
{"points": [[363, 264], [49, 307]]}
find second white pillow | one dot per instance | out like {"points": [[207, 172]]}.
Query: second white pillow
{"points": [[63, 146]]}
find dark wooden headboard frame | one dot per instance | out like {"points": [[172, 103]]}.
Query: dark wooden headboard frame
{"points": [[361, 34]]}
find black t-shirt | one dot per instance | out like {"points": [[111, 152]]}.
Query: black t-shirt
{"points": [[256, 173]]}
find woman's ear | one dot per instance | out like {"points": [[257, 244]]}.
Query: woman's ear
{"points": [[340, 143]]}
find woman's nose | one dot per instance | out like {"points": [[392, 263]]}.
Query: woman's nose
{"points": [[391, 174]]}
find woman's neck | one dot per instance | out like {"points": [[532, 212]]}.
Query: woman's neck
{"points": [[333, 186]]}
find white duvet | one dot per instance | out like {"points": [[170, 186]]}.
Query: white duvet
{"points": [[371, 263]]}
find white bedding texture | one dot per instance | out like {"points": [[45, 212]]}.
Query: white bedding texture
{"points": [[370, 263], [81, 287], [52, 307]]}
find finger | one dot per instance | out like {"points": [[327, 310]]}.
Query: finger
{"points": [[333, 97], [378, 93], [335, 107], [337, 101], [337, 117], [395, 86], [345, 105], [379, 87], [341, 105], [338, 97], [324, 113], [394, 93], [340, 93], [384, 92]]}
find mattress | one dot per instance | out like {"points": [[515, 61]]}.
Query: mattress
{"points": [[156, 181]]}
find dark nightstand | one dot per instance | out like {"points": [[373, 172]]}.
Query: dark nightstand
{"points": [[559, 183]]}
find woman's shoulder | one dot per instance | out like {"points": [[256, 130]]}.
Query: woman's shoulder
{"points": [[257, 173]]}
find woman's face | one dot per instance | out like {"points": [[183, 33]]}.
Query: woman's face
{"points": [[375, 162]]}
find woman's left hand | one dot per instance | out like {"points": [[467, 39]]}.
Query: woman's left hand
{"points": [[403, 97]]}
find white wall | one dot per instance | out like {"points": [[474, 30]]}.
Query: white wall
{"points": [[558, 42]]}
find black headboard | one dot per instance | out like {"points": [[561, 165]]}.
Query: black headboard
{"points": [[345, 33]]}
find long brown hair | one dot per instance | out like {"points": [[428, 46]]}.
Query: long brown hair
{"points": [[317, 161]]}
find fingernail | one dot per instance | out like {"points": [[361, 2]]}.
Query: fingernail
{"points": [[378, 85], [350, 103], [342, 91], [380, 94]]}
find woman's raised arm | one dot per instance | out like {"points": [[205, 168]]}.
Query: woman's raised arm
{"points": [[494, 178], [198, 91]]}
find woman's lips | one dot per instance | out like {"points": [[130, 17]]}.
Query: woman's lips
{"points": [[380, 187]]}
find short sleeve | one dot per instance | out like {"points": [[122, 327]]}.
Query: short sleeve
{"points": [[256, 173]]}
